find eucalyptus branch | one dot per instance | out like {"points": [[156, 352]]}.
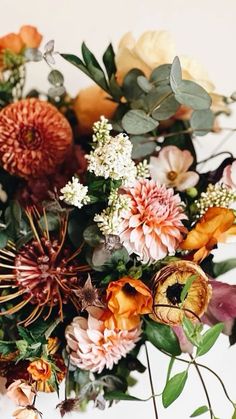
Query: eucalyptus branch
{"points": [[203, 385], [151, 382]]}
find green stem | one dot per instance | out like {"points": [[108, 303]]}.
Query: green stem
{"points": [[151, 382], [204, 386]]}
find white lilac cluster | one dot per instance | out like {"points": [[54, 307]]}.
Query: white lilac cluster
{"points": [[110, 218], [143, 171], [74, 193], [111, 156], [215, 196]]}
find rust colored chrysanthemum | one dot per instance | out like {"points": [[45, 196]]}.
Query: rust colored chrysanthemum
{"points": [[168, 285], [34, 138], [44, 273]]}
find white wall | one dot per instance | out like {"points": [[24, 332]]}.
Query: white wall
{"points": [[205, 29]]}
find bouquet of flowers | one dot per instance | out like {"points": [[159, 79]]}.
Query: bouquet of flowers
{"points": [[108, 225]]}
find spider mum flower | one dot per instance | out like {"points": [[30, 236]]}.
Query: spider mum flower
{"points": [[168, 284], [44, 273], [94, 347], [152, 227], [34, 138]]}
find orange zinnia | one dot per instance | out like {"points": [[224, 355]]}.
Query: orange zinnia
{"points": [[127, 299], [214, 227]]}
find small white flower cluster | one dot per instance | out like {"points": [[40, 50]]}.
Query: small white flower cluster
{"points": [[110, 218], [101, 130], [74, 193], [143, 170], [215, 196], [111, 156]]}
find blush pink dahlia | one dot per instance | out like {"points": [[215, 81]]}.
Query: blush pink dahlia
{"points": [[152, 227], [94, 347]]}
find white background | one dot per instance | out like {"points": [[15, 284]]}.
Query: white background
{"points": [[205, 29]]}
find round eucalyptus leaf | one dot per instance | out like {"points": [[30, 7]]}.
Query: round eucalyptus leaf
{"points": [[167, 109], [56, 91], [130, 85], [192, 95], [56, 78], [142, 147], [175, 75], [145, 85], [202, 122], [161, 74], [156, 96], [138, 122], [33, 54]]}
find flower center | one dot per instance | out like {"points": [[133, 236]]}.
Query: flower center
{"points": [[30, 137], [129, 290], [172, 175], [173, 293]]}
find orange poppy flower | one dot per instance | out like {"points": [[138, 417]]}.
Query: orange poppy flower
{"points": [[127, 299], [40, 370], [215, 226], [30, 36], [89, 105]]}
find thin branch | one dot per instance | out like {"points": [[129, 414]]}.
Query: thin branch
{"points": [[151, 382], [203, 385]]}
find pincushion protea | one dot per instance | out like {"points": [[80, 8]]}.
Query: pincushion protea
{"points": [[152, 227], [168, 284], [94, 347], [44, 272], [34, 138]]}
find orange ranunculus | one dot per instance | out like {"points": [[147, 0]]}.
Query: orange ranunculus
{"points": [[12, 41], [90, 104], [127, 299], [30, 36], [215, 226], [40, 370]]}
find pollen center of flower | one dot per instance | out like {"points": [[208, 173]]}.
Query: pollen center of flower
{"points": [[173, 293], [129, 290], [172, 175], [30, 137]]}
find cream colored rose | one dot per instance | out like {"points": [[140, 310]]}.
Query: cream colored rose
{"points": [[155, 48]]}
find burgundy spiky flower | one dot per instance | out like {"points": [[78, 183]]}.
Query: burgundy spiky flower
{"points": [[34, 138], [45, 273]]}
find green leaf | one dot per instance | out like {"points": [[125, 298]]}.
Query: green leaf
{"points": [[221, 268], [7, 347], [175, 75], [202, 121], [77, 62], [92, 235], [157, 96], [142, 147], [187, 286], [170, 367], [174, 388], [168, 108], [3, 239], [144, 84], [109, 61], [162, 337], [192, 331], [118, 395], [234, 414], [190, 94], [51, 222], [138, 122], [56, 78], [131, 89], [209, 338], [199, 411], [89, 58], [161, 74]]}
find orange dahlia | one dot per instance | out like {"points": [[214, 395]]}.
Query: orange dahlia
{"points": [[34, 138]]}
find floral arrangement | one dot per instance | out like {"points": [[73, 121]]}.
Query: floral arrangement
{"points": [[108, 225]]}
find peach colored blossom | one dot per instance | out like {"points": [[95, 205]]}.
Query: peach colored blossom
{"points": [[20, 393], [11, 41], [171, 166], [40, 370], [26, 413], [229, 176], [89, 105], [30, 36], [93, 346], [152, 227]]}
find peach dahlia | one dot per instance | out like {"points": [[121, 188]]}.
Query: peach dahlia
{"points": [[34, 138]]}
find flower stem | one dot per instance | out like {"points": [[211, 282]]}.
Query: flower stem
{"points": [[151, 382], [204, 386]]}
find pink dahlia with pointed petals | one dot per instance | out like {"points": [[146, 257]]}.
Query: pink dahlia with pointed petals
{"points": [[94, 347], [152, 228]]}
